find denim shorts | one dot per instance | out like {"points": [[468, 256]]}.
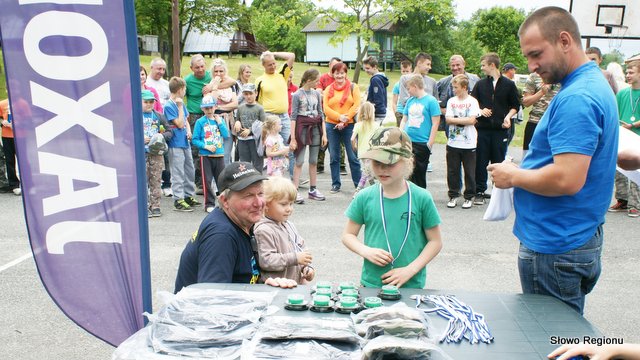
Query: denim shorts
{"points": [[569, 276]]}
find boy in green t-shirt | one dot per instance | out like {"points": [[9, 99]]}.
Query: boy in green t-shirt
{"points": [[401, 222]]}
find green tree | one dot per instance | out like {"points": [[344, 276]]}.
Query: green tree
{"points": [[154, 17], [278, 24], [497, 30], [463, 43], [420, 32], [363, 16], [614, 56]]}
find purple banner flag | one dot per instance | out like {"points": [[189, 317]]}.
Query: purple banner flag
{"points": [[72, 67]]}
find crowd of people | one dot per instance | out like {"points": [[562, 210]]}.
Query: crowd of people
{"points": [[242, 144]]}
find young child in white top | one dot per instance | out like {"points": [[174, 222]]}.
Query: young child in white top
{"points": [[461, 116], [274, 148]]}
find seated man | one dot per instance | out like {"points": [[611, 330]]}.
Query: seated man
{"points": [[222, 250]]}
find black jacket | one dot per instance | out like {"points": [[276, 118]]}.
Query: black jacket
{"points": [[500, 100]]}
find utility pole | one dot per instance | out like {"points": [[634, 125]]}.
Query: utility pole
{"points": [[175, 36]]}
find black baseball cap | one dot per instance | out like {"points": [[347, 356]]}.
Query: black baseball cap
{"points": [[238, 176], [509, 66]]}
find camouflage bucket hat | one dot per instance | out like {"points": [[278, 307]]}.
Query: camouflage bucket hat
{"points": [[388, 145]]}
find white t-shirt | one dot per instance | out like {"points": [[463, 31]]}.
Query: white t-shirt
{"points": [[162, 87], [462, 136]]}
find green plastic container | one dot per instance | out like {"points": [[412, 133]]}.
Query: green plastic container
{"points": [[348, 301], [372, 302], [350, 292], [347, 285], [390, 290], [295, 299], [321, 300]]}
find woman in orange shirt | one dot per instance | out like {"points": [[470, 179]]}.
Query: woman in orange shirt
{"points": [[341, 101]]}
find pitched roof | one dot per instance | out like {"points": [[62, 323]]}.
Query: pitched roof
{"points": [[379, 22]]}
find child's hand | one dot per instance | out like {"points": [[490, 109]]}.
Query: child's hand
{"points": [[211, 148], [245, 133], [237, 127], [377, 256], [304, 258], [293, 144], [308, 273], [324, 141], [397, 276], [147, 139]]}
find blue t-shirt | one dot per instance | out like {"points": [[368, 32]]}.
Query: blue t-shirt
{"points": [[419, 112], [582, 119], [399, 104], [208, 132], [179, 139], [219, 252], [151, 126]]}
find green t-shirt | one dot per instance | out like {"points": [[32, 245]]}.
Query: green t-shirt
{"points": [[629, 99], [194, 91], [365, 210]]}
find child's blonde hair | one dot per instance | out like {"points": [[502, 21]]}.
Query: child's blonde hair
{"points": [[367, 116], [416, 80], [278, 188], [270, 123], [462, 80]]}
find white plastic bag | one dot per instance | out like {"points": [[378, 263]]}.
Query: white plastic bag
{"points": [[500, 205]]}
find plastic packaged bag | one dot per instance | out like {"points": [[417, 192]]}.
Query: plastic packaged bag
{"points": [[393, 347], [398, 320], [206, 323], [301, 350], [287, 328], [500, 205]]}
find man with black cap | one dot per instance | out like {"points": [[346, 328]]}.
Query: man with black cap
{"points": [[222, 250]]}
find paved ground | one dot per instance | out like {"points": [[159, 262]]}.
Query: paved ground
{"points": [[477, 256]]}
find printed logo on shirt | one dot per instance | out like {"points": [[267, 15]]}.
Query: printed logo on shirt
{"points": [[416, 116]]}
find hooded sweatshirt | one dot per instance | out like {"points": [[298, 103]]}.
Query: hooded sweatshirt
{"points": [[378, 93]]}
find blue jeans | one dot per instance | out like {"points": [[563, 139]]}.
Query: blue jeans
{"points": [[568, 277], [336, 137]]}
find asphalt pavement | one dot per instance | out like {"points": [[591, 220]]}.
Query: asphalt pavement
{"points": [[477, 256]]}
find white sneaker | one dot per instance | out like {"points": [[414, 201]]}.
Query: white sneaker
{"points": [[299, 199], [429, 168], [452, 203], [467, 204], [17, 191], [209, 209], [167, 192]]}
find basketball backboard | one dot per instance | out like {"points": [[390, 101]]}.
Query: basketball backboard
{"points": [[606, 19]]}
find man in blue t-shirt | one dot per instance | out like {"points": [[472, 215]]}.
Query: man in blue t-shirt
{"points": [[564, 185], [223, 250]]}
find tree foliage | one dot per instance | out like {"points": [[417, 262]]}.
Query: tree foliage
{"points": [[363, 16], [613, 56], [420, 32], [278, 24], [497, 30], [154, 17], [463, 43]]}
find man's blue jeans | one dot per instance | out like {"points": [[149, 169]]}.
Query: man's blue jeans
{"points": [[335, 137], [568, 277]]}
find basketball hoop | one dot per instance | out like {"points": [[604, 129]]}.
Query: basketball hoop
{"points": [[616, 34]]}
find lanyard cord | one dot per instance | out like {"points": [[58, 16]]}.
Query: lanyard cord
{"points": [[384, 224], [294, 239], [633, 106]]}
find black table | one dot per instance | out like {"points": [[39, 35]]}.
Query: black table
{"points": [[523, 326]]}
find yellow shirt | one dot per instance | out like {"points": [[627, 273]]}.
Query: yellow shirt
{"points": [[273, 90]]}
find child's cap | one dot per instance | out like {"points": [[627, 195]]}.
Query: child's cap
{"points": [[249, 87], [388, 145], [208, 101], [147, 95]]}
